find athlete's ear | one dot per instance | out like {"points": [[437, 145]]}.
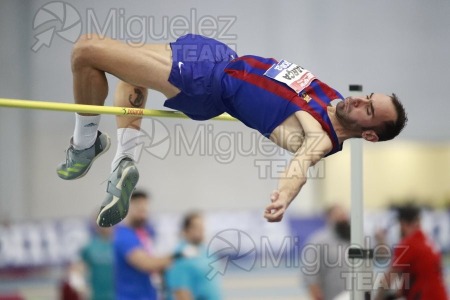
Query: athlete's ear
{"points": [[370, 135]]}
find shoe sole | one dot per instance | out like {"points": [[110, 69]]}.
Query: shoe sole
{"points": [[110, 215], [108, 144]]}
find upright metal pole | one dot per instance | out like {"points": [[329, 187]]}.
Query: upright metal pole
{"points": [[357, 258]]}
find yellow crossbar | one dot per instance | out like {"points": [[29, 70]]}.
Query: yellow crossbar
{"points": [[96, 109]]}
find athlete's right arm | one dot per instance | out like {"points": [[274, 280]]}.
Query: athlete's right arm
{"points": [[315, 146], [141, 260], [294, 177]]}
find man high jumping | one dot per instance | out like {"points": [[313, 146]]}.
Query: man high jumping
{"points": [[204, 78]]}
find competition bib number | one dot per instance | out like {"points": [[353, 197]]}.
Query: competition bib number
{"points": [[296, 77]]}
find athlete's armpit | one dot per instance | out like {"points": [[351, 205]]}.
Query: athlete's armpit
{"points": [[316, 143]]}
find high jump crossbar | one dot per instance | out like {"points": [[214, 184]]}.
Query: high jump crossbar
{"points": [[97, 109]]}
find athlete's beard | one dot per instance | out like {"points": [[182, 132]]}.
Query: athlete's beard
{"points": [[343, 118]]}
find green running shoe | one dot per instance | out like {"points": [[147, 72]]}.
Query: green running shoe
{"points": [[78, 162], [121, 184]]}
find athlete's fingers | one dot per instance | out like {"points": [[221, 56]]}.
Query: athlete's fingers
{"points": [[274, 211], [274, 205], [278, 213], [274, 196], [275, 216], [273, 220]]}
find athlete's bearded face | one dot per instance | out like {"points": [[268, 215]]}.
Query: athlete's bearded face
{"points": [[359, 113]]}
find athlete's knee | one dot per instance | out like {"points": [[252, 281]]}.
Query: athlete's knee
{"points": [[85, 50]]}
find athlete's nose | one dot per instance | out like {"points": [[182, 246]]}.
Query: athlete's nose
{"points": [[354, 102], [357, 102]]}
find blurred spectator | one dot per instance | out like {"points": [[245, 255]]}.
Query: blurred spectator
{"points": [[187, 278], [415, 261], [73, 285], [325, 261], [134, 253], [97, 256]]}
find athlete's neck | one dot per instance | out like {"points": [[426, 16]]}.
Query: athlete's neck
{"points": [[341, 132]]}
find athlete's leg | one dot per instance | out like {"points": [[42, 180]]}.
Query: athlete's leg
{"points": [[139, 68], [145, 66], [93, 56], [124, 174], [128, 127]]}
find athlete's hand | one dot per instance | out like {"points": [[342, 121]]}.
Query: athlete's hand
{"points": [[274, 212]]}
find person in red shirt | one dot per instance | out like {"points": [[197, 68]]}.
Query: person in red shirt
{"points": [[416, 261]]}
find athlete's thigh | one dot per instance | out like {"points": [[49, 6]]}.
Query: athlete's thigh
{"points": [[146, 66]]}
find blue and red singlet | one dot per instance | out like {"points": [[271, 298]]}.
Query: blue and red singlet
{"points": [[213, 80]]}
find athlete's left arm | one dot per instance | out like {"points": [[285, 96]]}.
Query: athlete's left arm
{"points": [[314, 147]]}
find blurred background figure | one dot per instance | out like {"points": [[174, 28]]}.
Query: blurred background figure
{"points": [[134, 259], [187, 278], [73, 286], [97, 257], [326, 256], [416, 262]]}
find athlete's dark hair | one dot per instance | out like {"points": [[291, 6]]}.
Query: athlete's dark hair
{"points": [[390, 129], [139, 194], [189, 218]]}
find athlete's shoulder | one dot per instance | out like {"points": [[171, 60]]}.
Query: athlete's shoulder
{"points": [[308, 122], [314, 131]]}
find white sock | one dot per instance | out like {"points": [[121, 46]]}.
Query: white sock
{"points": [[128, 145], [85, 131]]}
